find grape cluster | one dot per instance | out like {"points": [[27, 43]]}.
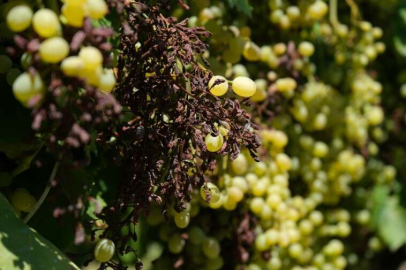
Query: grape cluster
{"points": [[308, 197]]}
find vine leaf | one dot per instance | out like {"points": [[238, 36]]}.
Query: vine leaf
{"points": [[399, 37], [241, 5], [389, 218], [21, 247]]}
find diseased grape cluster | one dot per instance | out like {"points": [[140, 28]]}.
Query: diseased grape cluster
{"points": [[306, 200]]}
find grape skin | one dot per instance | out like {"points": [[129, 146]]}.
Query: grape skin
{"points": [[19, 18], [46, 23], [104, 250], [54, 50]]}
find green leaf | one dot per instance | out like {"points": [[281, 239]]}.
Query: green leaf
{"points": [[379, 197], [399, 37], [241, 5], [388, 218], [392, 224], [21, 247]]}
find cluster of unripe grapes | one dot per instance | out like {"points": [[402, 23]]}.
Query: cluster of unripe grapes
{"points": [[218, 86], [54, 49], [286, 17]]}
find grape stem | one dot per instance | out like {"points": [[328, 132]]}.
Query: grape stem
{"points": [[44, 194], [354, 10], [333, 13]]}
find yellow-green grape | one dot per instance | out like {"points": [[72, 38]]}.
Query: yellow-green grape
{"points": [[293, 13], [261, 242], [92, 76], [240, 183], [343, 229], [380, 47], [54, 50], [239, 70], [27, 86], [320, 149], [283, 162], [260, 94], [215, 264], [182, 219], [274, 263], [104, 250], [219, 203], [320, 121], [155, 216], [92, 57], [97, 8], [74, 14], [251, 51], [5, 64], [107, 81], [334, 248], [220, 88], [214, 143], [224, 130], [286, 84], [279, 138], [245, 31], [244, 86], [176, 243], [256, 205], [363, 217], [46, 23], [19, 18], [235, 194], [317, 10], [316, 218], [375, 244], [375, 116], [295, 250], [260, 168], [280, 48], [240, 164], [211, 247], [306, 227], [72, 66], [212, 190], [196, 235], [284, 22], [22, 200], [306, 49]]}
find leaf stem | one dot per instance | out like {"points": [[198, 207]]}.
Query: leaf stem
{"points": [[44, 194]]}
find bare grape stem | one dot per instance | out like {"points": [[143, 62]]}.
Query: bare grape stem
{"points": [[44, 194], [333, 13]]}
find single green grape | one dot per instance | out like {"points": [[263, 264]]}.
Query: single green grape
{"points": [[212, 190], [19, 18], [54, 50], [46, 23], [176, 244], [219, 89], [104, 250], [244, 87], [214, 143], [211, 247]]}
